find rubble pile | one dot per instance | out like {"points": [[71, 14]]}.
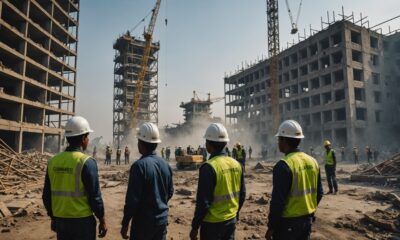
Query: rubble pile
{"points": [[20, 170], [389, 167], [380, 224]]}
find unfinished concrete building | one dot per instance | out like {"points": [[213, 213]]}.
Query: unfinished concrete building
{"points": [[38, 53], [341, 84], [127, 63]]}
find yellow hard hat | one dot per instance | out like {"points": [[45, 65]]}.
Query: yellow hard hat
{"points": [[327, 143]]}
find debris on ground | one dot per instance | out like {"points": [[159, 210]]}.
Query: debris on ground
{"points": [[184, 192], [121, 176], [263, 167], [21, 170]]}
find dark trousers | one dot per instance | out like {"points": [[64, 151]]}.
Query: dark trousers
{"points": [[157, 232], [243, 163], [331, 177], [218, 231], [294, 229], [76, 228]]}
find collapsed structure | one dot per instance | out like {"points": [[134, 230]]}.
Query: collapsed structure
{"points": [[38, 57], [127, 63], [342, 84]]}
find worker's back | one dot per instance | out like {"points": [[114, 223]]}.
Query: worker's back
{"points": [[155, 178]]}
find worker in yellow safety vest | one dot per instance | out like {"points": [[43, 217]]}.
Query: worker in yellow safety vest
{"points": [[297, 188], [330, 168], [221, 190], [71, 191]]}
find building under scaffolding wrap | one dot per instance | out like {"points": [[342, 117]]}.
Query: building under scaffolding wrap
{"points": [[128, 57]]}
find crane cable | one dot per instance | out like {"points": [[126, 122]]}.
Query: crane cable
{"points": [[166, 45], [141, 21], [294, 24]]}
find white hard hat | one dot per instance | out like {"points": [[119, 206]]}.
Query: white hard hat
{"points": [[290, 129], [77, 126], [216, 132], [148, 132]]}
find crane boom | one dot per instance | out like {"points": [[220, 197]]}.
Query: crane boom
{"points": [[148, 35], [273, 51]]}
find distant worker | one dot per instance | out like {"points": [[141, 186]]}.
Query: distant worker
{"points": [[241, 155], [150, 187], [227, 151], [297, 188], [71, 192], [189, 150], [355, 155], [342, 152], [108, 155], [168, 153], [250, 152], [368, 152], [94, 152], [221, 190], [163, 153], [127, 153], [330, 168], [118, 159]]}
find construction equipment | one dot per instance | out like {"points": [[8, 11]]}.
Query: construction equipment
{"points": [[293, 23], [273, 50], [148, 36], [189, 161]]}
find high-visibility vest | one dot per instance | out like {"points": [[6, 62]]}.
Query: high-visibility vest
{"points": [[303, 192], [225, 204], [239, 154], [68, 197], [329, 158]]}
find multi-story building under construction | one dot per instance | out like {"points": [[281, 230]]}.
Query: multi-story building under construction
{"points": [[127, 63], [341, 84], [38, 57]]}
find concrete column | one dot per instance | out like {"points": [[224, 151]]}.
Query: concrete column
{"points": [[20, 138]]}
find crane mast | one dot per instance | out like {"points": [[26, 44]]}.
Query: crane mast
{"points": [[273, 51], [148, 36]]}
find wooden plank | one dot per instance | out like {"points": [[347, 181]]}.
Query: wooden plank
{"points": [[4, 210]]}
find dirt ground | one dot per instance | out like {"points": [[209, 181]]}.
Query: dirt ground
{"points": [[337, 215]]}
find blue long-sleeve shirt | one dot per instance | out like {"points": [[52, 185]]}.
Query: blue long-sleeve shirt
{"points": [[205, 191], [150, 187], [90, 180], [282, 182]]}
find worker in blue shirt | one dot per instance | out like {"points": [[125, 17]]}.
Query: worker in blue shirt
{"points": [[150, 187], [297, 188], [221, 190], [71, 192]]}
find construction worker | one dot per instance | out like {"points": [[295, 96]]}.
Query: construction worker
{"points": [[330, 168], [71, 192], [108, 155], [150, 187], [297, 188], [342, 151], [376, 154], [312, 151], [241, 155], [119, 152], [355, 154], [368, 152], [168, 153], [127, 153], [162, 153], [250, 152], [221, 190], [227, 151]]}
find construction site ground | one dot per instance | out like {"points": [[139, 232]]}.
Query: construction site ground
{"points": [[338, 216]]}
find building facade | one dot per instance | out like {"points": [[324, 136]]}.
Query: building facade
{"points": [[127, 63], [340, 84], [38, 57]]}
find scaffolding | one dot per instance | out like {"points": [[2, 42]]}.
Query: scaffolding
{"points": [[128, 57]]}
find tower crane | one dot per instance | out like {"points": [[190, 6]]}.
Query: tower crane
{"points": [[273, 51], [148, 36]]}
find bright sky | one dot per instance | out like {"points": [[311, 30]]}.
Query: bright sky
{"points": [[204, 39]]}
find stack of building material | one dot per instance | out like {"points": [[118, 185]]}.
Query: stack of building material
{"points": [[387, 171], [19, 171]]}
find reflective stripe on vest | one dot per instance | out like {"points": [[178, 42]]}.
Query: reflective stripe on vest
{"points": [[225, 203], [329, 157], [302, 198], [69, 199]]}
